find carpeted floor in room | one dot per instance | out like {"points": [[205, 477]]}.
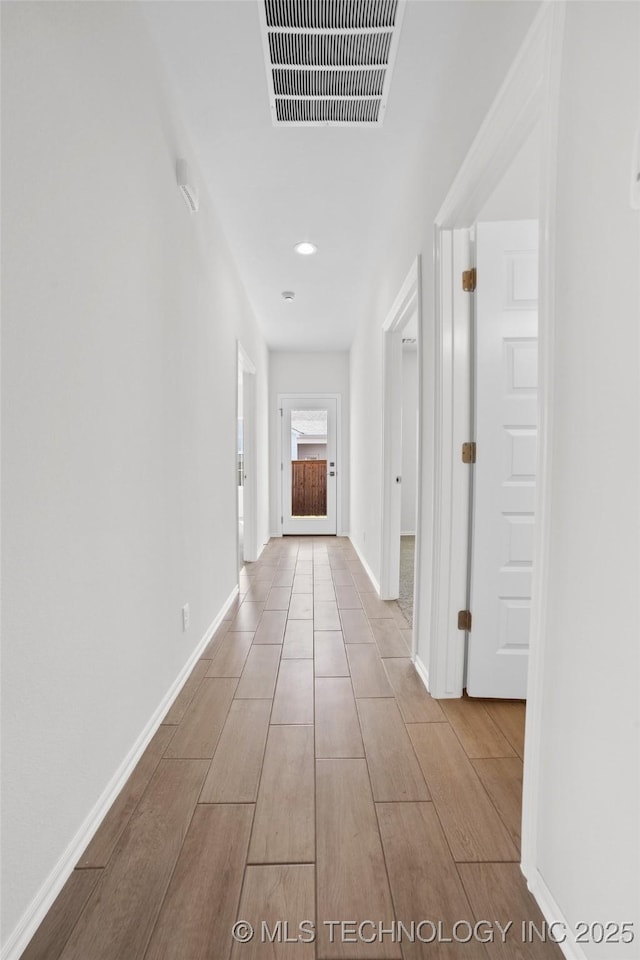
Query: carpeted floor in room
{"points": [[407, 568]]}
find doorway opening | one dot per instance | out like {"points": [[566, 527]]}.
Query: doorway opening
{"points": [[492, 274], [401, 450], [409, 472], [240, 475], [245, 459]]}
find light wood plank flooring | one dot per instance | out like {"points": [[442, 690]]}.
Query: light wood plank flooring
{"points": [[305, 776]]}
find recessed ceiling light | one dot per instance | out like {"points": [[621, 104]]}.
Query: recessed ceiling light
{"points": [[305, 248], [288, 295]]}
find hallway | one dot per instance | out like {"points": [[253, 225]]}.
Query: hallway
{"points": [[171, 222], [378, 804]]}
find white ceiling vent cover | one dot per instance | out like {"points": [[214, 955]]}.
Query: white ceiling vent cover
{"points": [[329, 62]]}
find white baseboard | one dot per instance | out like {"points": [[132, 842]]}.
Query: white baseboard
{"points": [[259, 548], [365, 564], [554, 915], [43, 900], [422, 671], [407, 533]]}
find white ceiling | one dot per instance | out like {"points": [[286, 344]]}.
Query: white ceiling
{"points": [[339, 187]]}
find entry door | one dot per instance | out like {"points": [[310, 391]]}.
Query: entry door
{"points": [[309, 465], [504, 483]]}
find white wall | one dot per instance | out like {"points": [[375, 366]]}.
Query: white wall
{"points": [[409, 440], [517, 195], [308, 373], [588, 794], [120, 314]]}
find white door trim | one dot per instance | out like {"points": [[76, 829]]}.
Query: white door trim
{"points": [[339, 452], [407, 303], [528, 95], [248, 368], [452, 481]]}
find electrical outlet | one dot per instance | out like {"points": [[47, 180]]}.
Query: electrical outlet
{"points": [[185, 617]]}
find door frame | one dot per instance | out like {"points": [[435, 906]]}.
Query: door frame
{"points": [[407, 303], [529, 95], [312, 396], [248, 368], [453, 413]]}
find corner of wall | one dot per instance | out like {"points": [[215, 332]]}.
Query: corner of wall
{"points": [[362, 559]]}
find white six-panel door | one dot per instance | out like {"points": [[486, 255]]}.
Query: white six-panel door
{"points": [[505, 411]]}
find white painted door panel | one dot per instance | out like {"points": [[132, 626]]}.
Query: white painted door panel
{"points": [[506, 409], [309, 422]]}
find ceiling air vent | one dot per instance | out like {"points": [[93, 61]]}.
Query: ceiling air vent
{"points": [[329, 62]]}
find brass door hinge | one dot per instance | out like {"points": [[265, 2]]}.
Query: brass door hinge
{"points": [[464, 620], [469, 280], [469, 452]]}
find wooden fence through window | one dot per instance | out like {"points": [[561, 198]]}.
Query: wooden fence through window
{"points": [[308, 488]]}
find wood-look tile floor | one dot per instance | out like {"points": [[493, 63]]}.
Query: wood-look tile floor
{"points": [[305, 776]]}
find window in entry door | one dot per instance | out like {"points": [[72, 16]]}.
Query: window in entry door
{"points": [[309, 463]]}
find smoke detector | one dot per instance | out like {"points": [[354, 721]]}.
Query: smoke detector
{"points": [[329, 63]]}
